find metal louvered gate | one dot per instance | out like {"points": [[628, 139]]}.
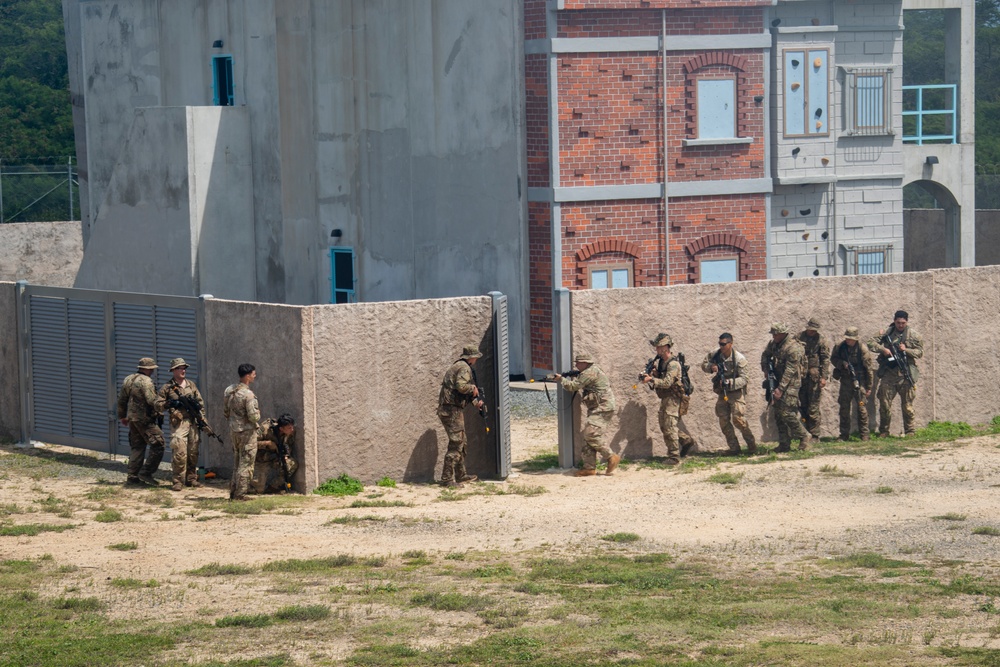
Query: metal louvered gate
{"points": [[501, 371], [76, 348]]}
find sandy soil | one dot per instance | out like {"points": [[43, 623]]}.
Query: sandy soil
{"points": [[777, 513]]}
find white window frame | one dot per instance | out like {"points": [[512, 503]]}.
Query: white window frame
{"points": [[853, 97], [724, 258], [809, 96]]}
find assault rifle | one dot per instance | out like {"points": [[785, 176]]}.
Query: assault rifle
{"points": [[482, 397], [719, 379], [279, 444], [855, 381], [770, 383], [685, 378], [568, 374], [189, 405], [897, 357], [650, 365]]}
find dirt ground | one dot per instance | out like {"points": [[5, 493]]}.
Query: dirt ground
{"points": [[778, 512]]}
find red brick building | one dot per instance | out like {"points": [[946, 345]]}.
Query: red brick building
{"points": [[615, 90]]}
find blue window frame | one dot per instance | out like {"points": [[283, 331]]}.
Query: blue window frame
{"points": [[222, 81], [342, 276]]}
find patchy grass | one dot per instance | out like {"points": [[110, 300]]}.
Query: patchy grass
{"points": [[108, 516], [124, 546], [539, 462], [833, 471], [726, 478], [621, 538], [341, 520], [134, 583], [220, 570], [31, 529], [311, 564], [884, 489], [379, 503], [986, 530], [345, 485], [387, 482], [871, 561], [950, 516]]}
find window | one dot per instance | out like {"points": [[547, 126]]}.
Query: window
{"points": [[614, 277], [868, 260], [719, 270], [342, 275], [716, 108], [806, 92], [867, 92], [222, 81]]}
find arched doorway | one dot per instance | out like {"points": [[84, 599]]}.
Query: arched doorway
{"points": [[931, 226]]}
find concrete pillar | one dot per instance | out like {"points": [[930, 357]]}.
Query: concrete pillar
{"points": [[562, 343]]}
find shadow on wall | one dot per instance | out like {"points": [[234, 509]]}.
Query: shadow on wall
{"points": [[632, 421], [423, 459]]}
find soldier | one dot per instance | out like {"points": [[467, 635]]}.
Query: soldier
{"points": [[893, 371], [458, 389], [268, 472], [183, 425], [138, 408], [600, 401], [666, 379], [730, 387], [852, 365], [240, 408], [787, 356], [818, 363]]}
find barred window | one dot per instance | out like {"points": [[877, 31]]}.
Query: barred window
{"points": [[868, 260], [868, 101]]}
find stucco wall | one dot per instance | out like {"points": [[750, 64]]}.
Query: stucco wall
{"points": [[954, 310], [10, 402], [378, 370], [43, 253]]}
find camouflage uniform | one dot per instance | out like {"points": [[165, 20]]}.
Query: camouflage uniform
{"points": [[891, 380], [600, 401], [240, 408], [456, 393], [673, 403], [138, 402], [183, 429], [844, 358], [731, 405], [789, 361], [268, 475], [817, 353]]}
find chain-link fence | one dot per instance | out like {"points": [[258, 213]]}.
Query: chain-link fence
{"points": [[39, 189], [987, 186]]}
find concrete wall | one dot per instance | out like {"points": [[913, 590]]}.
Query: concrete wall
{"points": [[43, 253], [10, 395], [378, 370], [954, 310], [175, 216], [925, 238], [398, 122], [271, 338], [836, 191]]}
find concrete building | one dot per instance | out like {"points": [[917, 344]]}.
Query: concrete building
{"points": [[683, 141], [302, 151]]}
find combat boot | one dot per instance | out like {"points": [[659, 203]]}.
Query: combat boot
{"points": [[468, 478], [585, 472], [805, 442], [177, 487], [613, 461], [865, 435], [148, 480], [783, 449]]}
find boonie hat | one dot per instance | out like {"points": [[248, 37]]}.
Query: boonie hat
{"points": [[812, 324], [779, 328], [471, 352], [584, 357], [177, 363], [148, 364], [851, 333], [662, 339]]}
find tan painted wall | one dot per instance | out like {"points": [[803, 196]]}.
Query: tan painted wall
{"points": [[954, 310], [362, 381], [378, 370], [43, 253], [10, 402]]}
